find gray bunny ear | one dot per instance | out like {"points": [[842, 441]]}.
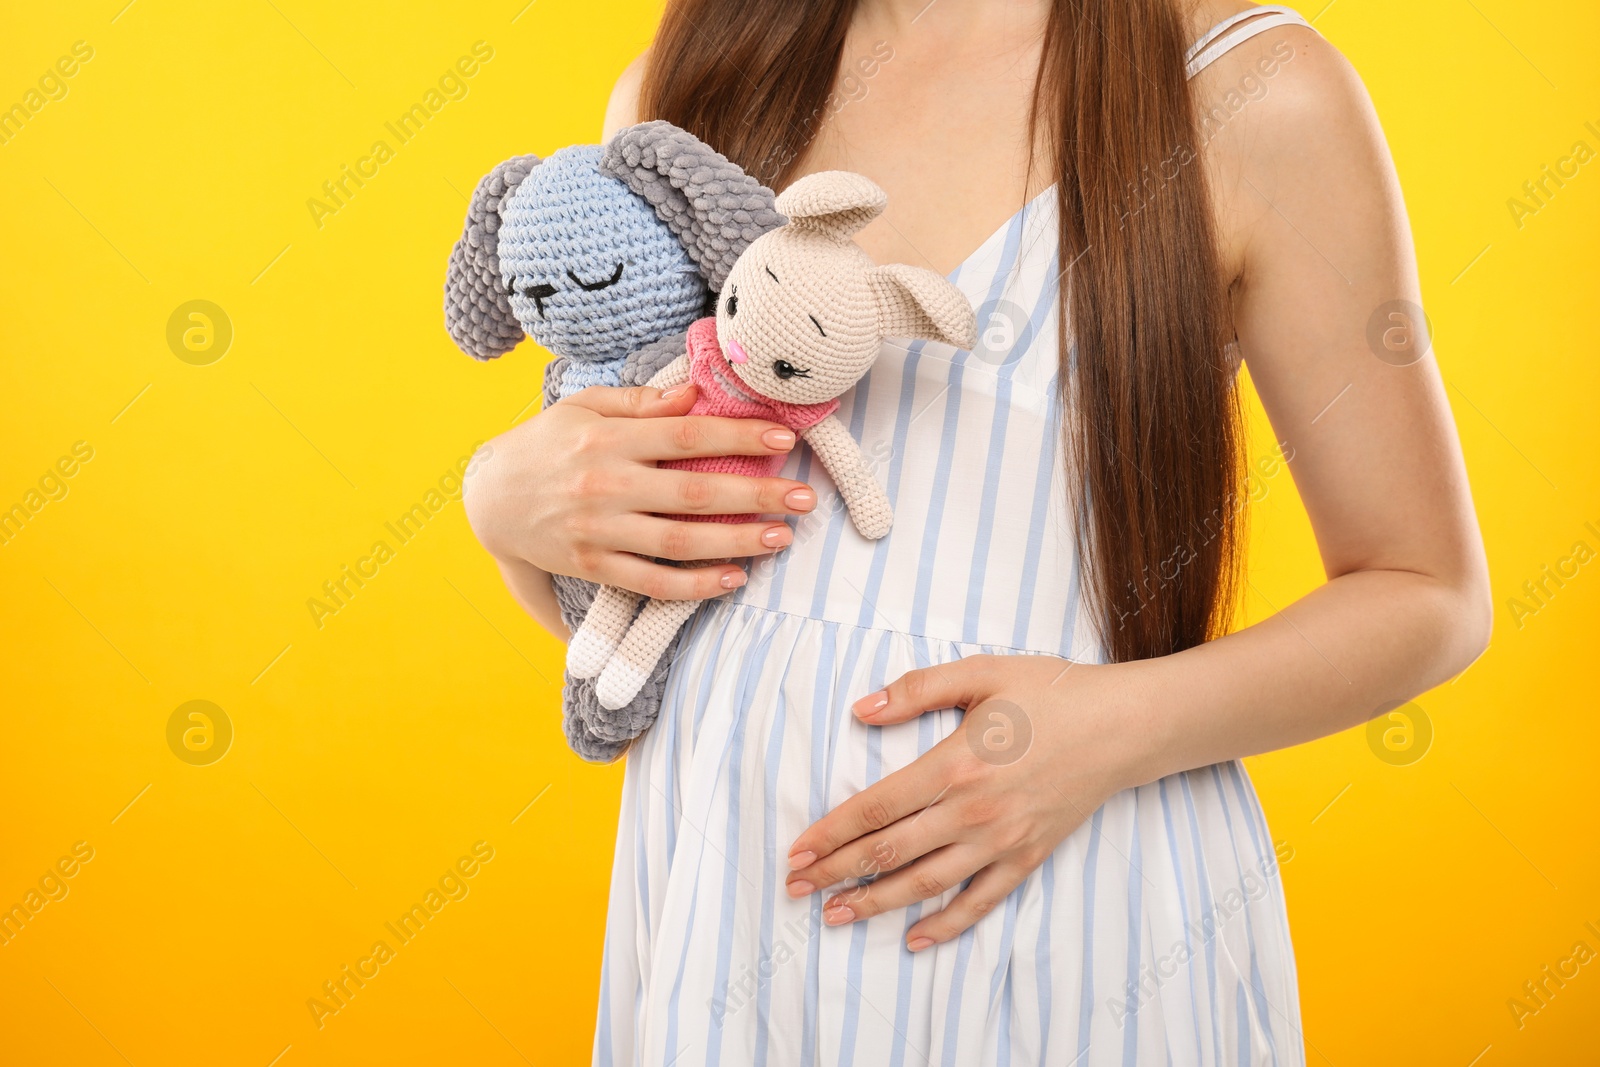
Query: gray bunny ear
{"points": [[706, 200], [477, 307]]}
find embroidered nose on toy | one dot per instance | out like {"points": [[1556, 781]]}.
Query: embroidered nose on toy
{"points": [[736, 353]]}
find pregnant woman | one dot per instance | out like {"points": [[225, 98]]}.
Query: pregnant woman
{"points": [[971, 794]]}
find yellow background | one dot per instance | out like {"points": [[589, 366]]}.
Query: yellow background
{"points": [[372, 753]]}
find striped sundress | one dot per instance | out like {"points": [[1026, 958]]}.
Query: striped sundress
{"points": [[1156, 933]]}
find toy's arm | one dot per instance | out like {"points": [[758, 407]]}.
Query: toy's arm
{"points": [[643, 363], [839, 452], [552, 380], [674, 373]]}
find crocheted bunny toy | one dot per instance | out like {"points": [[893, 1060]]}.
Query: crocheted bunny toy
{"points": [[801, 319], [603, 255]]}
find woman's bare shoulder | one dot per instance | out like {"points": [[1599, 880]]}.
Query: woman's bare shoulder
{"points": [[623, 107], [1284, 118]]}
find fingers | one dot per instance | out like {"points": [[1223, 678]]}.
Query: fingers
{"points": [[660, 582], [650, 535], [669, 491], [634, 402], [951, 685], [705, 435], [881, 804], [876, 854], [986, 892], [927, 878], [667, 431]]}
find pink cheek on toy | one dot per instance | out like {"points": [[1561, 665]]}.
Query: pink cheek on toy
{"points": [[736, 353]]}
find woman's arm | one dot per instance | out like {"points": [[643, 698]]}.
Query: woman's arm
{"points": [[1315, 220], [1325, 310]]}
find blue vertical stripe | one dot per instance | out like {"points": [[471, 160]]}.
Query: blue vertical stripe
{"points": [[994, 456], [1178, 873], [815, 811], [902, 427], [1086, 994], [1208, 916], [771, 858], [1262, 1006], [1130, 1023], [840, 514], [1047, 891], [731, 875]]}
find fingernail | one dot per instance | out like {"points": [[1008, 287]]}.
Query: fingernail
{"points": [[732, 580], [802, 859], [868, 706], [778, 438], [800, 499], [917, 944], [840, 914], [675, 391], [776, 537], [800, 888]]}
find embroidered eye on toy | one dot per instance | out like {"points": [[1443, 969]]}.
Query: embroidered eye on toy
{"points": [[801, 318]]}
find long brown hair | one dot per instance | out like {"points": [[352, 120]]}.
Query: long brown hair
{"points": [[1152, 429]]}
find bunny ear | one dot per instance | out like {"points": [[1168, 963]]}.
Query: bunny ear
{"points": [[833, 202], [477, 305], [913, 302], [713, 207]]}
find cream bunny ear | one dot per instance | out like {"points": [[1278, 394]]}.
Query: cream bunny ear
{"points": [[833, 202], [913, 302]]}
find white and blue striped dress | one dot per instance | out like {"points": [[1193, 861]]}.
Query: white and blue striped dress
{"points": [[1154, 934]]}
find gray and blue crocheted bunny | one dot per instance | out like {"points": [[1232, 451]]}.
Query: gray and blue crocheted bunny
{"points": [[603, 255]]}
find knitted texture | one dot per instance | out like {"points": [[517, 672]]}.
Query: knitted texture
{"points": [[604, 267], [800, 320], [713, 206], [637, 369], [477, 308], [592, 273], [720, 393], [656, 628], [644, 364]]}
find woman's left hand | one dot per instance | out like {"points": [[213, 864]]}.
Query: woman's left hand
{"points": [[1044, 742]]}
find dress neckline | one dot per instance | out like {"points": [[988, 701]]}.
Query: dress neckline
{"points": [[1000, 231]]}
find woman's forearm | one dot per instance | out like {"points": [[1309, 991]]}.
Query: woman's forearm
{"points": [[1363, 643], [531, 587]]}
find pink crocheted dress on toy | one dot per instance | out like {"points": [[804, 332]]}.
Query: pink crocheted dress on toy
{"points": [[723, 393]]}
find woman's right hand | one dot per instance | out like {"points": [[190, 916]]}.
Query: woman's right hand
{"points": [[575, 490]]}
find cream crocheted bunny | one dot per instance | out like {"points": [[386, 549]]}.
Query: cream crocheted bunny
{"points": [[800, 320]]}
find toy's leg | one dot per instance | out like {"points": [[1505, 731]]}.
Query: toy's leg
{"points": [[641, 649], [602, 631]]}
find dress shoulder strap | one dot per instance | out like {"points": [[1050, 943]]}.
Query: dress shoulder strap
{"points": [[1228, 33]]}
